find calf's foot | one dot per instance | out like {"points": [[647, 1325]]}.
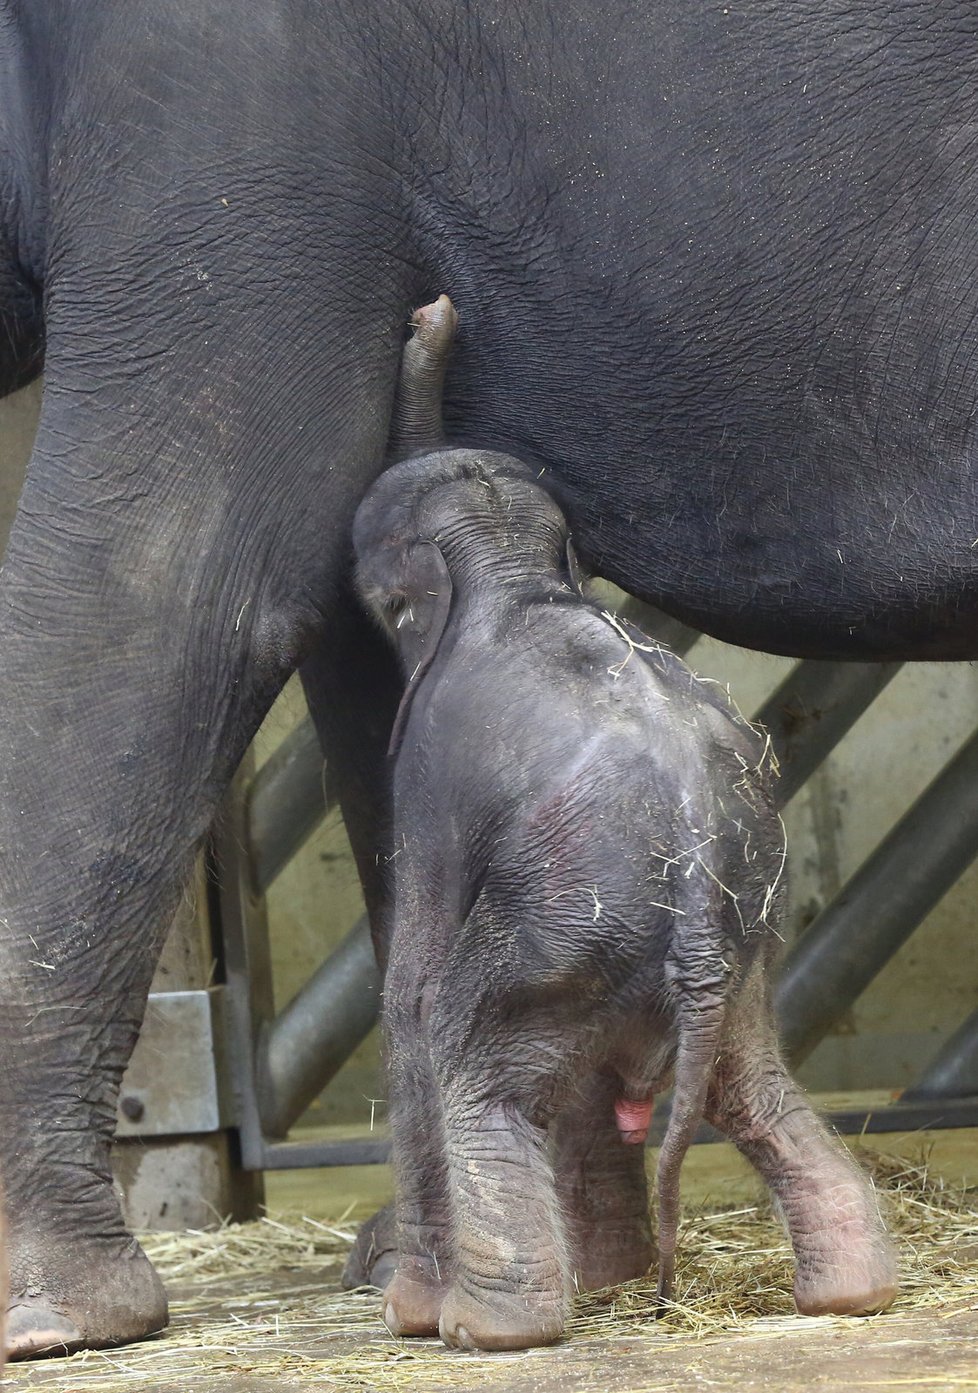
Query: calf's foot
{"points": [[602, 1186], [499, 1321], [413, 1300], [845, 1263], [616, 1253], [373, 1257], [67, 1295]]}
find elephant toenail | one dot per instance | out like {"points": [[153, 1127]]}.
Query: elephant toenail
{"points": [[390, 1319], [463, 1338]]}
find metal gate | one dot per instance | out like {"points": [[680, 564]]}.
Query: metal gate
{"points": [[278, 1063]]}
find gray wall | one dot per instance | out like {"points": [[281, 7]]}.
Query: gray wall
{"points": [[885, 761]]}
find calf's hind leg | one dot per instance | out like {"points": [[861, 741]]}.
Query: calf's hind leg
{"points": [[844, 1261], [509, 1288], [603, 1191]]}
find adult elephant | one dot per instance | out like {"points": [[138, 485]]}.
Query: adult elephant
{"points": [[716, 272]]}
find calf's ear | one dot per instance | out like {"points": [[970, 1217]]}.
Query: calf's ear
{"points": [[421, 623]]}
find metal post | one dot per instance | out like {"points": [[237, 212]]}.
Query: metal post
{"points": [[318, 1031], [175, 1157], [287, 799], [882, 904], [954, 1072], [812, 710], [240, 913]]}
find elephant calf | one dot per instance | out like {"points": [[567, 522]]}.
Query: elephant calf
{"points": [[586, 882]]}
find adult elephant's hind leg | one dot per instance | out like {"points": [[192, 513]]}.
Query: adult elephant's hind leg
{"points": [[844, 1261], [150, 609]]}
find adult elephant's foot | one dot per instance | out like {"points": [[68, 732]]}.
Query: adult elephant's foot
{"points": [[497, 1321], [70, 1296], [373, 1257], [413, 1300]]}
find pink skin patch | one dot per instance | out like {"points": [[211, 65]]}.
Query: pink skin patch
{"points": [[633, 1120]]}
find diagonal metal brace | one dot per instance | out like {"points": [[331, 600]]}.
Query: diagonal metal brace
{"points": [[858, 933]]}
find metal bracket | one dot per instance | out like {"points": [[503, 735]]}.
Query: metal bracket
{"points": [[174, 1085]]}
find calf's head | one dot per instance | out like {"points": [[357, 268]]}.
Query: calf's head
{"points": [[461, 531], [447, 531]]}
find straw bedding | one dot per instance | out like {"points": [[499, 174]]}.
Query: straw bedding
{"points": [[257, 1305]]}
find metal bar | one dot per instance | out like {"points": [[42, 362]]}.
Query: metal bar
{"points": [[286, 802], [812, 710], [924, 1116], [906, 1117], [852, 1122], [239, 913], [954, 1071], [318, 1031], [882, 904], [296, 1155]]}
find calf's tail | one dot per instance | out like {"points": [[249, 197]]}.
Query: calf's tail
{"points": [[700, 1024]]}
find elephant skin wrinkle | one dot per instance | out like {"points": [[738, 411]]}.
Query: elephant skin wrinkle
{"points": [[714, 268]]}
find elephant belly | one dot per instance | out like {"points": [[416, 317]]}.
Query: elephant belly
{"points": [[862, 582], [755, 391]]}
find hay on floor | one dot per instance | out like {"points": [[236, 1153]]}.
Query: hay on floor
{"points": [[260, 1300]]}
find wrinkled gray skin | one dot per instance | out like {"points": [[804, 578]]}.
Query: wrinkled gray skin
{"points": [[717, 266], [585, 891], [3, 1284]]}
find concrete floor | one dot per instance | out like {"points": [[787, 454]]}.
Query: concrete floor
{"points": [[933, 1349]]}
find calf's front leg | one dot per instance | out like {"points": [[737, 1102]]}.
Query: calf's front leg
{"points": [[412, 1301], [501, 1066]]}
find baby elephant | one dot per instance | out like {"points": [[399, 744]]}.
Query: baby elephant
{"points": [[586, 883]]}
